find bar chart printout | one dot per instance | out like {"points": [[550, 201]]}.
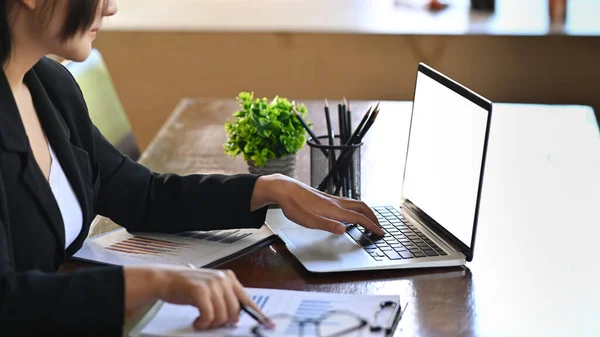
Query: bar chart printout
{"points": [[176, 320], [199, 248]]}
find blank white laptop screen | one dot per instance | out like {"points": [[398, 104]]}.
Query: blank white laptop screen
{"points": [[444, 158]]}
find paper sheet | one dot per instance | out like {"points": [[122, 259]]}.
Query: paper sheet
{"points": [[176, 320], [198, 248]]}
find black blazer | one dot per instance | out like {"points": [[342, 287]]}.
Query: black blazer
{"points": [[34, 300]]}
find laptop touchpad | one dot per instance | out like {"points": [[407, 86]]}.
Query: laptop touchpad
{"points": [[312, 244]]}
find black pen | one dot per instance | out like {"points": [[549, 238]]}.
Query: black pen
{"points": [[257, 317]]}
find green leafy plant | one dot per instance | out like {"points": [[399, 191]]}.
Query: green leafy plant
{"points": [[265, 130]]}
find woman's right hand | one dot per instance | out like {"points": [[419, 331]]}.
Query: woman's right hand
{"points": [[216, 293]]}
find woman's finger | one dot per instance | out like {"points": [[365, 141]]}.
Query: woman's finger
{"points": [[359, 219], [243, 298], [218, 299], [202, 301], [316, 221], [231, 300], [360, 207], [356, 206]]}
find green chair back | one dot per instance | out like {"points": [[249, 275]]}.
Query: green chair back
{"points": [[105, 108]]}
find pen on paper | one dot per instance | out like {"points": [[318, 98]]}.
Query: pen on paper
{"points": [[257, 317]]}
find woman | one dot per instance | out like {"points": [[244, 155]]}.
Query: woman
{"points": [[57, 171]]}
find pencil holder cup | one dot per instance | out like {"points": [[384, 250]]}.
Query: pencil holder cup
{"points": [[335, 169]]}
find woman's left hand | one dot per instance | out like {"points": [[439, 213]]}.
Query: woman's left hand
{"points": [[312, 208]]}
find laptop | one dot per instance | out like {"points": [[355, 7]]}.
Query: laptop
{"points": [[436, 221]]}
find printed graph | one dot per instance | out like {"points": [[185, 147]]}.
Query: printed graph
{"points": [[308, 309], [312, 309], [260, 300], [147, 246], [142, 245], [199, 248], [221, 236]]}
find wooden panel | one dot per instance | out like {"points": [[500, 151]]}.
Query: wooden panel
{"points": [[153, 70]]}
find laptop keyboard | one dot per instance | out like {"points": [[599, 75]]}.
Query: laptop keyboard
{"points": [[402, 240]]}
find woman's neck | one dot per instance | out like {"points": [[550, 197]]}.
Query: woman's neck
{"points": [[25, 53], [18, 64]]}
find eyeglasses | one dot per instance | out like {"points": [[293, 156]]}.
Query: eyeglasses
{"points": [[335, 323]]}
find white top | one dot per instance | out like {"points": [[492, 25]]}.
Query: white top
{"points": [[66, 199]]}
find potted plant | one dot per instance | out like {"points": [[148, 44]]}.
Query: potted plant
{"points": [[267, 134]]}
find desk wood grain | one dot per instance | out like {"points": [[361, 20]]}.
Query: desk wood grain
{"points": [[532, 275]]}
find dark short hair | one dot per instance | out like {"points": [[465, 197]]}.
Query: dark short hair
{"points": [[80, 17]]}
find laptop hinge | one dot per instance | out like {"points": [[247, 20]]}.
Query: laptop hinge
{"points": [[413, 216]]}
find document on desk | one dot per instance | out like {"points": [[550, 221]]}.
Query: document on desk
{"points": [[200, 248], [176, 320]]}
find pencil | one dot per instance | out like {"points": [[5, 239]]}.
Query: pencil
{"points": [[333, 173], [341, 127], [347, 183], [356, 132], [310, 132], [307, 128], [351, 168], [346, 112], [344, 138], [257, 317], [348, 117], [368, 125], [331, 142], [329, 126], [356, 138], [348, 156]]}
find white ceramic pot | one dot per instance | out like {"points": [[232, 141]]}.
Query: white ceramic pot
{"points": [[285, 165]]}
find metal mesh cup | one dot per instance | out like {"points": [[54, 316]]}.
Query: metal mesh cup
{"points": [[335, 169]]}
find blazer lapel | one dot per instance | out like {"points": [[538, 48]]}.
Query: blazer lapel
{"points": [[38, 187], [12, 131], [74, 161], [14, 139]]}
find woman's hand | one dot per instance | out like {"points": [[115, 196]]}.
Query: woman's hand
{"points": [[312, 208], [216, 293]]}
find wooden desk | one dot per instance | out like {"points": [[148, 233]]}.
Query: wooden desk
{"points": [[535, 270]]}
